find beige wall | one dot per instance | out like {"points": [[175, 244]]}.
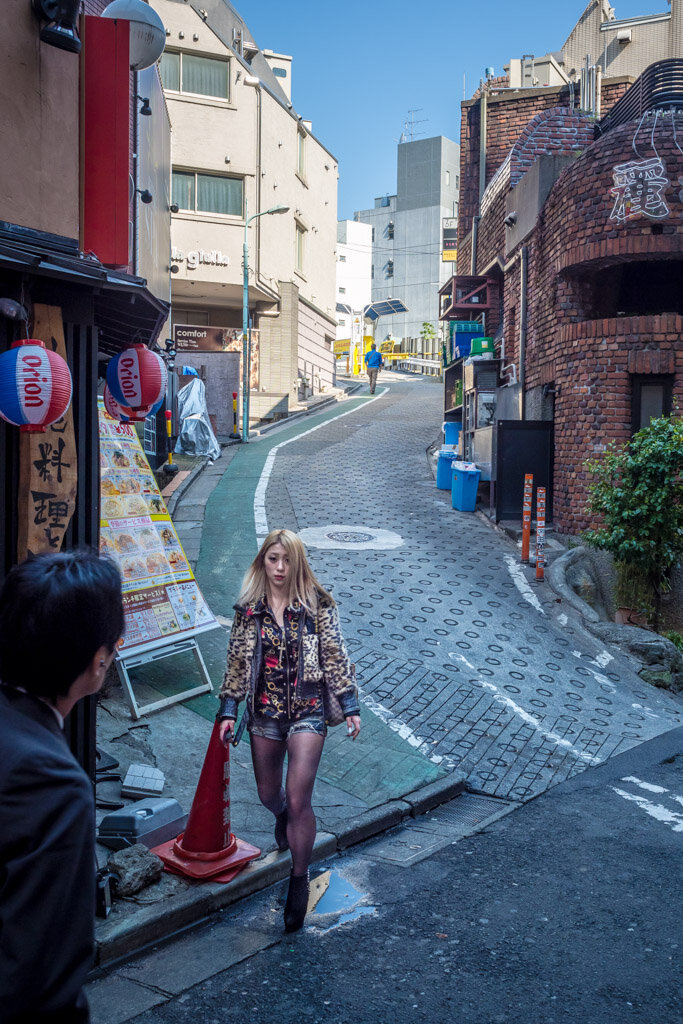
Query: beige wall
{"points": [[39, 172], [651, 40], [253, 136]]}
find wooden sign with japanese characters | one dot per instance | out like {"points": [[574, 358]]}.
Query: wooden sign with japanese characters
{"points": [[48, 473], [161, 598]]}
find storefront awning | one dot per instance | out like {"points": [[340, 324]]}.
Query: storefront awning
{"points": [[125, 311]]}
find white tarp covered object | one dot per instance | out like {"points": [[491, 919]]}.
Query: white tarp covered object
{"points": [[196, 436]]}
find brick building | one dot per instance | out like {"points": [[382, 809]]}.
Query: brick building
{"points": [[571, 249]]}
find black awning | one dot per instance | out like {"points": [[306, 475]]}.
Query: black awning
{"points": [[126, 312]]}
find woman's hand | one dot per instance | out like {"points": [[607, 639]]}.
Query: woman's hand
{"points": [[226, 730], [352, 725]]}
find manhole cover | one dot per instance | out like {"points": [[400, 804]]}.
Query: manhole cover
{"points": [[348, 538], [345, 536]]}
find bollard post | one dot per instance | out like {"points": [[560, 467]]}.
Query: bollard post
{"points": [[540, 534], [526, 516], [169, 417], [234, 415]]}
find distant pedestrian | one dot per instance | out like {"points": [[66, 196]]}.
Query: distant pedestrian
{"points": [[60, 619], [285, 646], [373, 364]]}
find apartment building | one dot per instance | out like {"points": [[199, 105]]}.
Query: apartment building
{"points": [[239, 150], [354, 281], [407, 236]]}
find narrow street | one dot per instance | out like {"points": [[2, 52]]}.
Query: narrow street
{"points": [[474, 668], [466, 666]]}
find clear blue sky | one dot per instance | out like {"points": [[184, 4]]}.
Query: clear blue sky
{"points": [[360, 66]]}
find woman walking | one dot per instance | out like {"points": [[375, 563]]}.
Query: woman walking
{"points": [[285, 650]]}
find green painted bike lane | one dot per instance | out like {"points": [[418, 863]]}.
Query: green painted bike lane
{"points": [[381, 765]]}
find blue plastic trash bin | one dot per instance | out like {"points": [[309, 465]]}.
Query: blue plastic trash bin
{"points": [[443, 470], [451, 432], [464, 486]]}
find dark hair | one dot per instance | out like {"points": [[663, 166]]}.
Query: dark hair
{"points": [[56, 611]]}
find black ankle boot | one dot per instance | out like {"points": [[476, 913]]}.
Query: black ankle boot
{"points": [[297, 902], [281, 830]]}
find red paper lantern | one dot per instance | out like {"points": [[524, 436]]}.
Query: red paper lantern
{"points": [[35, 386], [137, 377], [124, 413]]}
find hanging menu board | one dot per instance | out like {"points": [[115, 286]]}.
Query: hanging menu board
{"points": [[161, 599]]}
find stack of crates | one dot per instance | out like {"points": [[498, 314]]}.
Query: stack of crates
{"points": [[460, 335]]}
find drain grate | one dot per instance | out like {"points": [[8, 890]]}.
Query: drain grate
{"points": [[469, 811], [413, 841]]}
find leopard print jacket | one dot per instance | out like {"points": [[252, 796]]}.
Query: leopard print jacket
{"points": [[322, 653]]}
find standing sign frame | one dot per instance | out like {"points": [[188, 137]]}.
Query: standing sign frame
{"points": [[164, 610], [123, 666]]}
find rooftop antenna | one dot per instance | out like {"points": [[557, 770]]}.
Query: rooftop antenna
{"points": [[409, 126]]}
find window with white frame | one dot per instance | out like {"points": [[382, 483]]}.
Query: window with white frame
{"points": [[207, 193], [195, 75], [301, 155], [300, 246], [342, 290]]}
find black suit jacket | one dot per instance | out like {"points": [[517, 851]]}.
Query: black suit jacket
{"points": [[47, 867]]}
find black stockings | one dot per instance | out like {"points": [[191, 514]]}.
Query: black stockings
{"points": [[303, 751]]}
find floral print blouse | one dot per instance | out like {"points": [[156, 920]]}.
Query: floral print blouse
{"points": [[276, 691]]}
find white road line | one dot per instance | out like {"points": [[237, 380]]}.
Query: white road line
{"points": [[554, 737], [461, 657], [405, 732], [606, 684], [520, 582], [657, 811], [260, 518], [644, 710], [501, 698], [603, 659], [644, 785]]}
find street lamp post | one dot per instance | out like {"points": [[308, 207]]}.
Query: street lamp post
{"points": [[245, 314]]}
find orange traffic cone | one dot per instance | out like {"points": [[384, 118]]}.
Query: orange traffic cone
{"points": [[207, 849]]}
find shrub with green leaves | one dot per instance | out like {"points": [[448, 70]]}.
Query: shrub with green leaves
{"points": [[637, 492]]}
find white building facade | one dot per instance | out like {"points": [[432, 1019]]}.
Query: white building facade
{"points": [[354, 279], [239, 148], [407, 237]]}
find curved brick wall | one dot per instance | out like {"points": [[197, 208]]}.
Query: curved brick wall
{"points": [[591, 360], [557, 130]]}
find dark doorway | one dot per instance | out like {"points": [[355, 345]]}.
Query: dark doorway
{"points": [[523, 446]]}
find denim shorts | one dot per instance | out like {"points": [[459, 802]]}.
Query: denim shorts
{"points": [[283, 728]]}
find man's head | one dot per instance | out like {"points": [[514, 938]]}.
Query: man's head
{"points": [[373, 346], [59, 613]]}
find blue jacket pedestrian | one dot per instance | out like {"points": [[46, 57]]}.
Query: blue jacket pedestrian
{"points": [[373, 364]]}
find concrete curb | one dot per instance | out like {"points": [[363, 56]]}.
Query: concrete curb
{"points": [[303, 413], [152, 924], [557, 578], [182, 488]]}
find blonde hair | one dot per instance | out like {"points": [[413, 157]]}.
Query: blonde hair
{"points": [[303, 586]]}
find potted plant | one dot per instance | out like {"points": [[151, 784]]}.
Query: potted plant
{"points": [[637, 492]]}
